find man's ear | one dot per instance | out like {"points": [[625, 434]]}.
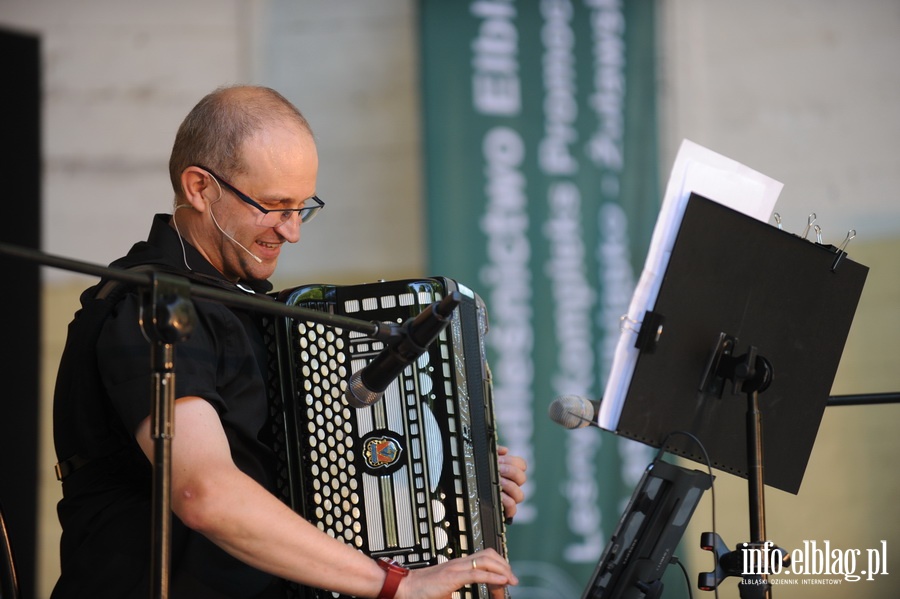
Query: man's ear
{"points": [[197, 187]]}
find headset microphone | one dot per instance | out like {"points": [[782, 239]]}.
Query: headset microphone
{"points": [[232, 239]]}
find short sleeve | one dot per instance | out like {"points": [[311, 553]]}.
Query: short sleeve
{"points": [[123, 355]]}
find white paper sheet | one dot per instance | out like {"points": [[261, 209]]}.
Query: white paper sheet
{"points": [[696, 170]]}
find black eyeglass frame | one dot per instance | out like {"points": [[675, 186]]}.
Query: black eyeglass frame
{"points": [[306, 214]]}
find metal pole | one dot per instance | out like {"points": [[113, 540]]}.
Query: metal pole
{"points": [[162, 432]]}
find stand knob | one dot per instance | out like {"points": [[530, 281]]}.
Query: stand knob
{"points": [[748, 561]]}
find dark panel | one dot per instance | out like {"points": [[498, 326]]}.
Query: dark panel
{"points": [[20, 298], [729, 273]]}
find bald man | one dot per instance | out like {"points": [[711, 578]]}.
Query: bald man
{"points": [[243, 169]]}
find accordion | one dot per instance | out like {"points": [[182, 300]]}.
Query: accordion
{"points": [[413, 477]]}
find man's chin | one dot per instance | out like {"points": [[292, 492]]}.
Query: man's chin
{"points": [[253, 271], [259, 275]]}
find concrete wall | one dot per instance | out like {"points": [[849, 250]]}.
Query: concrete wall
{"points": [[806, 91]]}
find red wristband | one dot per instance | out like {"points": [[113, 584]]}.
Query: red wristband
{"points": [[395, 573]]}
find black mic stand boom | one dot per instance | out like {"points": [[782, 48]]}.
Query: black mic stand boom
{"points": [[167, 318]]}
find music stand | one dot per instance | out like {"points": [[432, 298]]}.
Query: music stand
{"points": [[744, 309], [645, 538]]}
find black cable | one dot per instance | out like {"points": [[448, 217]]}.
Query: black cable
{"points": [[687, 577], [712, 488]]}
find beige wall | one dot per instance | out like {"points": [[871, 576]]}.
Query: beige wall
{"points": [[803, 90], [807, 92]]}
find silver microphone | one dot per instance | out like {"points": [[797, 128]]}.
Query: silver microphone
{"points": [[574, 411], [367, 386]]}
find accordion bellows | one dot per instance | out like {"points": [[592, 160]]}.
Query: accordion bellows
{"points": [[412, 477]]}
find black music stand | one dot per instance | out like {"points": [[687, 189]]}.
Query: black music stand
{"points": [[745, 309]]}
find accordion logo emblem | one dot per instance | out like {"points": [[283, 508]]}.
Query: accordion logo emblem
{"points": [[381, 452]]}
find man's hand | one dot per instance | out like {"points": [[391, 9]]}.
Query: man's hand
{"points": [[439, 582], [512, 477]]}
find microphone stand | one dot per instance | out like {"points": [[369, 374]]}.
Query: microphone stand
{"points": [[751, 374], [167, 317], [864, 399], [376, 330]]}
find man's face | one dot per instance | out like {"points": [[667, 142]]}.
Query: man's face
{"points": [[281, 164]]}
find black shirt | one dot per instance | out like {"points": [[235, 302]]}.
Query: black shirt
{"points": [[104, 391]]}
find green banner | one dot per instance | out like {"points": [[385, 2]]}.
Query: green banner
{"points": [[542, 191]]}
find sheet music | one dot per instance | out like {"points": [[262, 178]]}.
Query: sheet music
{"points": [[699, 170]]}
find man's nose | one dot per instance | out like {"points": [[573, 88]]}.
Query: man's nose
{"points": [[290, 229]]}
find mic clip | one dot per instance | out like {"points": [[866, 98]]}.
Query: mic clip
{"points": [[389, 332]]}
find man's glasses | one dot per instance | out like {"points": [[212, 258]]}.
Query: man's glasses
{"points": [[267, 217]]}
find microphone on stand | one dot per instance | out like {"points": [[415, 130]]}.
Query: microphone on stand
{"points": [[367, 385], [574, 411]]}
